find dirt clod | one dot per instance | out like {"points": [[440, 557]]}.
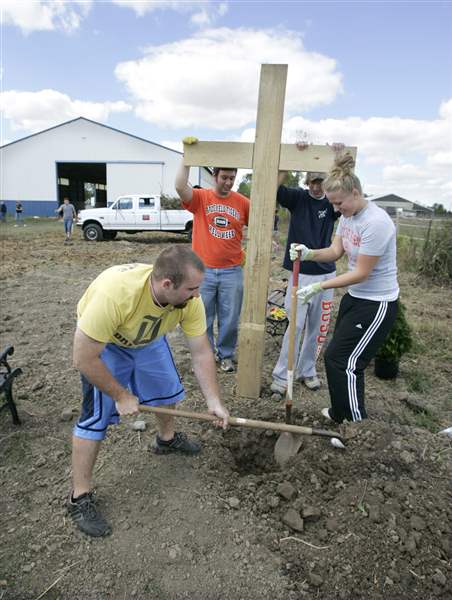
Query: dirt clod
{"points": [[292, 519], [286, 490]]}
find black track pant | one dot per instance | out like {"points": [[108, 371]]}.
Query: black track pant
{"points": [[361, 328]]}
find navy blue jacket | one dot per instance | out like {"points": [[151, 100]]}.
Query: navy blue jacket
{"points": [[311, 224]]}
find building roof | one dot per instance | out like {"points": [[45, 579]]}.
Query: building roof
{"points": [[95, 123], [390, 198], [400, 200], [422, 207]]}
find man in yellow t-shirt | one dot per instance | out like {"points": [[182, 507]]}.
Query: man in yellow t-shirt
{"points": [[124, 359]]}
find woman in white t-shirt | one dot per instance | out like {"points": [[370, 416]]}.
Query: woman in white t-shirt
{"points": [[368, 310]]}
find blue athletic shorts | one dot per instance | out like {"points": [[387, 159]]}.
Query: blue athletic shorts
{"points": [[148, 372]]}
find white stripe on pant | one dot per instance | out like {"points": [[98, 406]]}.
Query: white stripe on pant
{"points": [[351, 366], [361, 327]]}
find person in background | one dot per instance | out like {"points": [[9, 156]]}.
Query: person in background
{"points": [[3, 211], [19, 214], [219, 217], [311, 222], [367, 235], [67, 210]]}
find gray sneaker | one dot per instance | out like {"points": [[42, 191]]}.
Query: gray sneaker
{"points": [[86, 515], [227, 366], [278, 388], [179, 443], [312, 383]]}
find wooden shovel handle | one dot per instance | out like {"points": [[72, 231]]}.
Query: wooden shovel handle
{"points": [[240, 422], [292, 330]]}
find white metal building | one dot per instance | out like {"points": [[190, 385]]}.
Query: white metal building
{"points": [[391, 203], [41, 169]]}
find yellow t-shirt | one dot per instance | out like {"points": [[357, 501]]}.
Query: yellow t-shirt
{"points": [[118, 308]]}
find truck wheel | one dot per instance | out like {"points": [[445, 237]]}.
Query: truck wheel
{"points": [[93, 233], [189, 232], [110, 235]]}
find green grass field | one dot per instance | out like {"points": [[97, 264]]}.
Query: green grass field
{"points": [[31, 225]]}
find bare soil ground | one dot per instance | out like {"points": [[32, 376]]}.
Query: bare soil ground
{"points": [[376, 517]]}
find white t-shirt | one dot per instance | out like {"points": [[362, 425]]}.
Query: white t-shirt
{"points": [[371, 232]]}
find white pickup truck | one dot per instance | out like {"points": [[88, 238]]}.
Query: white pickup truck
{"points": [[132, 214]]}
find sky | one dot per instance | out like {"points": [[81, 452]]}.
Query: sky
{"points": [[376, 75]]}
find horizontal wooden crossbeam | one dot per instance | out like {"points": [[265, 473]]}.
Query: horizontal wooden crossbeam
{"points": [[240, 155]]}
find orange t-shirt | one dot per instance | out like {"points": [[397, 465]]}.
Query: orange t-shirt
{"points": [[218, 227]]}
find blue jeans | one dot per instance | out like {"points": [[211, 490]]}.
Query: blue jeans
{"points": [[222, 293], [68, 225]]}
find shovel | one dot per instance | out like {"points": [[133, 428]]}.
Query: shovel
{"points": [[239, 422], [288, 444]]}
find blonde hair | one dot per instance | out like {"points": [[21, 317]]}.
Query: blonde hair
{"points": [[341, 177]]}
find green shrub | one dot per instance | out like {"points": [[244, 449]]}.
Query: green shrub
{"points": [[170, 202], [435, 261], [399, 340], [408, 252]]}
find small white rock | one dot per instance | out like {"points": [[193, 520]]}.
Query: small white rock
{"points": [[139, 425], [336, 442], [234, 502]]}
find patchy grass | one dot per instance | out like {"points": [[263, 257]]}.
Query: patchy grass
{"points": [[432, 337], [427, 420], [33, 227], [418, 382]]}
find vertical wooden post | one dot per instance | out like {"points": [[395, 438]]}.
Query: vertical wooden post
{"points": [[269, 122]]}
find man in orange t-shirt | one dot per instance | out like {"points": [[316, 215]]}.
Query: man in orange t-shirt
{"points": [[219, 217]]}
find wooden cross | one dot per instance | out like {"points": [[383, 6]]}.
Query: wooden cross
{"points": [[265, 157]]}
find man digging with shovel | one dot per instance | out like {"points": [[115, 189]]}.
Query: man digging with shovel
{"points": [[124, 359]]}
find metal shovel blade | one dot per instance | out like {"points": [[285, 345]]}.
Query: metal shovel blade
{"points": [[287, 446]]}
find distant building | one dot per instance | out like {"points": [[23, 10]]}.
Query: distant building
{"points": [[391, 202], [41, 169]]}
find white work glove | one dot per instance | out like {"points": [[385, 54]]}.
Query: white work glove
{"points": [[304, 294], [189, 140], [300, 250]]}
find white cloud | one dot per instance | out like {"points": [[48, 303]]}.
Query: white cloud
{"points": [[201, 18], [44, 15], [209, 14], [408, 172], [211, 79], [408, 157], [142, 7], [222, 8], [440, 159], [33, 111], [445, 110], [205, 12]]}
